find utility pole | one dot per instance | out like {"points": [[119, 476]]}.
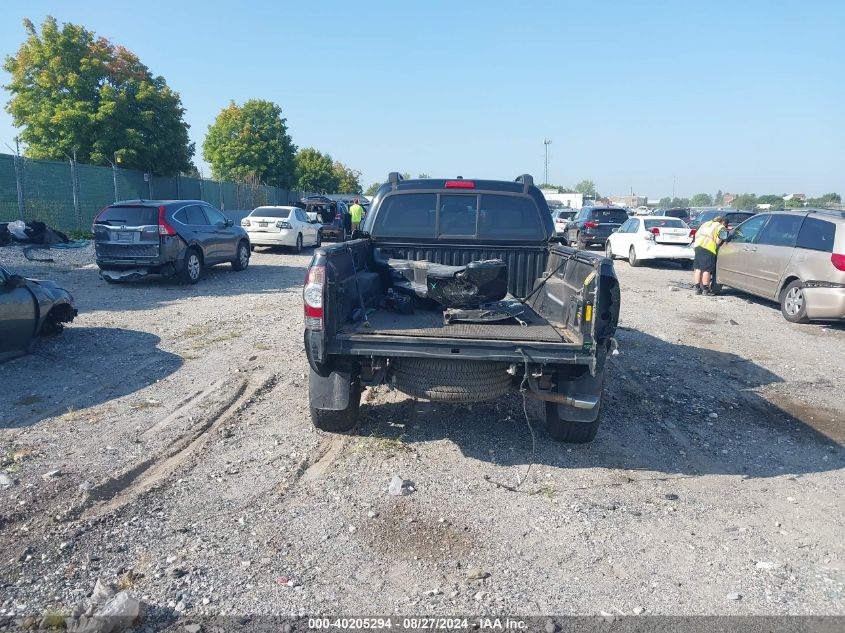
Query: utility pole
{"points": [[546, 144]]}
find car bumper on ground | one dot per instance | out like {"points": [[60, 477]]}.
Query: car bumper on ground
{"points": [[665, 251], [825, 303], [285, 237]]}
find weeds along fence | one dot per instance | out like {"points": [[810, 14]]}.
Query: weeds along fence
{"points": [[66, 195]]}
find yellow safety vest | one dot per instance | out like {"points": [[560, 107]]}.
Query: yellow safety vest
{"points": [[705, 236], [357, 211]]}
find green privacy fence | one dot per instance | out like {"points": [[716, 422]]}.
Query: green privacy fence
{"points": [[66, 195]]}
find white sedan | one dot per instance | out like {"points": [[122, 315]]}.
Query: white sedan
{"points": [[281, 226], [650, 238]]}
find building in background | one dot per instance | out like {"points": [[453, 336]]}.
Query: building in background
{"points": [[631, 202], [728, 199], [795, 196], [571, 200]]}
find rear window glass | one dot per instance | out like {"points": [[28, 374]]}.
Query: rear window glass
{"points": [[267, 212], [488, 216], [458, 215], [129, 216], [738, 218], [677, 213], [617, 216], [669, 224], [509, 217], [407, 215], [817, 235]]}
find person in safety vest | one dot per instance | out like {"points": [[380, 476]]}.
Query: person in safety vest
{"points": [[357, 212], [706, 243]]}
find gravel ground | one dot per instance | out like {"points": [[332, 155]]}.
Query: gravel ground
{"points": [[189, 473]]}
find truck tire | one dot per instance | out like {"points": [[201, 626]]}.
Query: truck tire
{"points": [[452, 380], [335, 420], [576, 426]]}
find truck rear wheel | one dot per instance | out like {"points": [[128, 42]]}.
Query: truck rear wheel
{"points": [[452, 380]]}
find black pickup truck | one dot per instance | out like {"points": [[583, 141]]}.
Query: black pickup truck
{"points": [[377, 308]]}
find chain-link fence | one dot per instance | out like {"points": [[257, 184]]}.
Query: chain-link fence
{"points": [[66, 195]]}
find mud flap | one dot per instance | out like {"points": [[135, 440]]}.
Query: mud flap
{"points": [[331, 393], [587, 385]]}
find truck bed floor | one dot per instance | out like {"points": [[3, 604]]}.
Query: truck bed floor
{"points": [[426, 323]]}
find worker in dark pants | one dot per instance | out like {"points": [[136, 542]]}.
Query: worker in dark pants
{"points": [[706, 244]]}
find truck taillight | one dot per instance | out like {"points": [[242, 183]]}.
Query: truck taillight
{"points": [[312, 296], [838, 261], [164, 227]]}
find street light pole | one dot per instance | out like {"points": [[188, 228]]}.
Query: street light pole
{"points": [[546, 144]]}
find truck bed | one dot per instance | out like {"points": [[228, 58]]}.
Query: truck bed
{"points": [[429, 324]]}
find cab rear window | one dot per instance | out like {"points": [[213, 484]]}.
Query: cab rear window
{"points": [[484, 216], [128, 216]]}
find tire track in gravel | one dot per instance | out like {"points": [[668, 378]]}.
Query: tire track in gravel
{"points": [[116, 492]]}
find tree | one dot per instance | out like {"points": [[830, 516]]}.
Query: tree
{"points": [[677, 202], [405, 175], [315, 171], [745, 202], [347, 179], [75, 92], [371, 190], [587, 188], [250, 141], [719, 198], [423, 176], [701, 200], [665, 202], [793, 203], [775, 201], [825, 200]]}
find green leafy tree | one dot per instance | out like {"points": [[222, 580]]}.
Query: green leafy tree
{"points": [[793, 203], [745, 202], [347, 179], [679, 202], [587, 188], [75, 92], [315, 171], [719, 198], [665, 202], [371, 190], [405, 175], [825, 200], [423, 176], [250, 141], [701, 200], [775, 201]]}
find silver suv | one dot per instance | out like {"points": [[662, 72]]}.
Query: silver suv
{"points": [[794, 257]]}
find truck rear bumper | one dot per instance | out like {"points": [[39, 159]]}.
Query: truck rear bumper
{"points": [[507, 351]]}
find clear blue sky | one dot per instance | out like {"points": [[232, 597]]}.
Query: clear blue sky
{"points": [[739, 96]]}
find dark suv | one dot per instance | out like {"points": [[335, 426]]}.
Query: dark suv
{"points": [[136, 238], [330, 214], [593, 225], [682, 213]]}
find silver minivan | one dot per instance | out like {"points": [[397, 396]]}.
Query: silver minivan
{"points": [[794, 257]]}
